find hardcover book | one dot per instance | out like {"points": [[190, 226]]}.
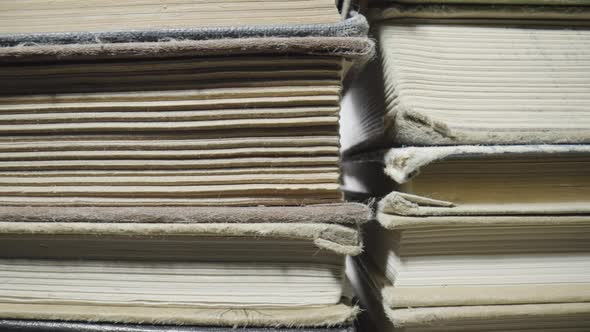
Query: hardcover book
{"points": [[41, 16], [131, 119], [181, 266], [476, 83]]}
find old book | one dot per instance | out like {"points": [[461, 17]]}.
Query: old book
{"points": [[200, 122], [168, 270], [483, 264], [41, 16], [488, 180], [467, 272], [375, 291], [479, 83], [247, 130], [469, 180]]}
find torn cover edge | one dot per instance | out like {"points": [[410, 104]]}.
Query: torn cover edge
{"points": [[320, 316], [398, 204], [427, 316], [358, 49], [399, 222], [402, 164]]}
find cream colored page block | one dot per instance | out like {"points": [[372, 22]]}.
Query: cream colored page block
{"points": [[480, 84], [142, 165], [243, 200], [508, 181], [147, 143], [172, 180], [39, 16]]}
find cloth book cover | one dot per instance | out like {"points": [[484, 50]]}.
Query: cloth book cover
{"points": [[187, 266], [129, 118], [446, 84]]}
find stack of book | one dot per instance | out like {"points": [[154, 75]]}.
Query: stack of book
{"points": [[484, 219], [175, 164]]}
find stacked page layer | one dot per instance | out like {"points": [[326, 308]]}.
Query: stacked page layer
{"points": [[469, 84], [34, 16], [374, 289], [214, 116], [216, 131]]}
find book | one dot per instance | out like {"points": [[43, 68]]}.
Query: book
{"points": [[191, 271], [374, 289], [487, 180], [66, 16], [477, 83], [205, 122], [483, 263], [217, 131]]}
